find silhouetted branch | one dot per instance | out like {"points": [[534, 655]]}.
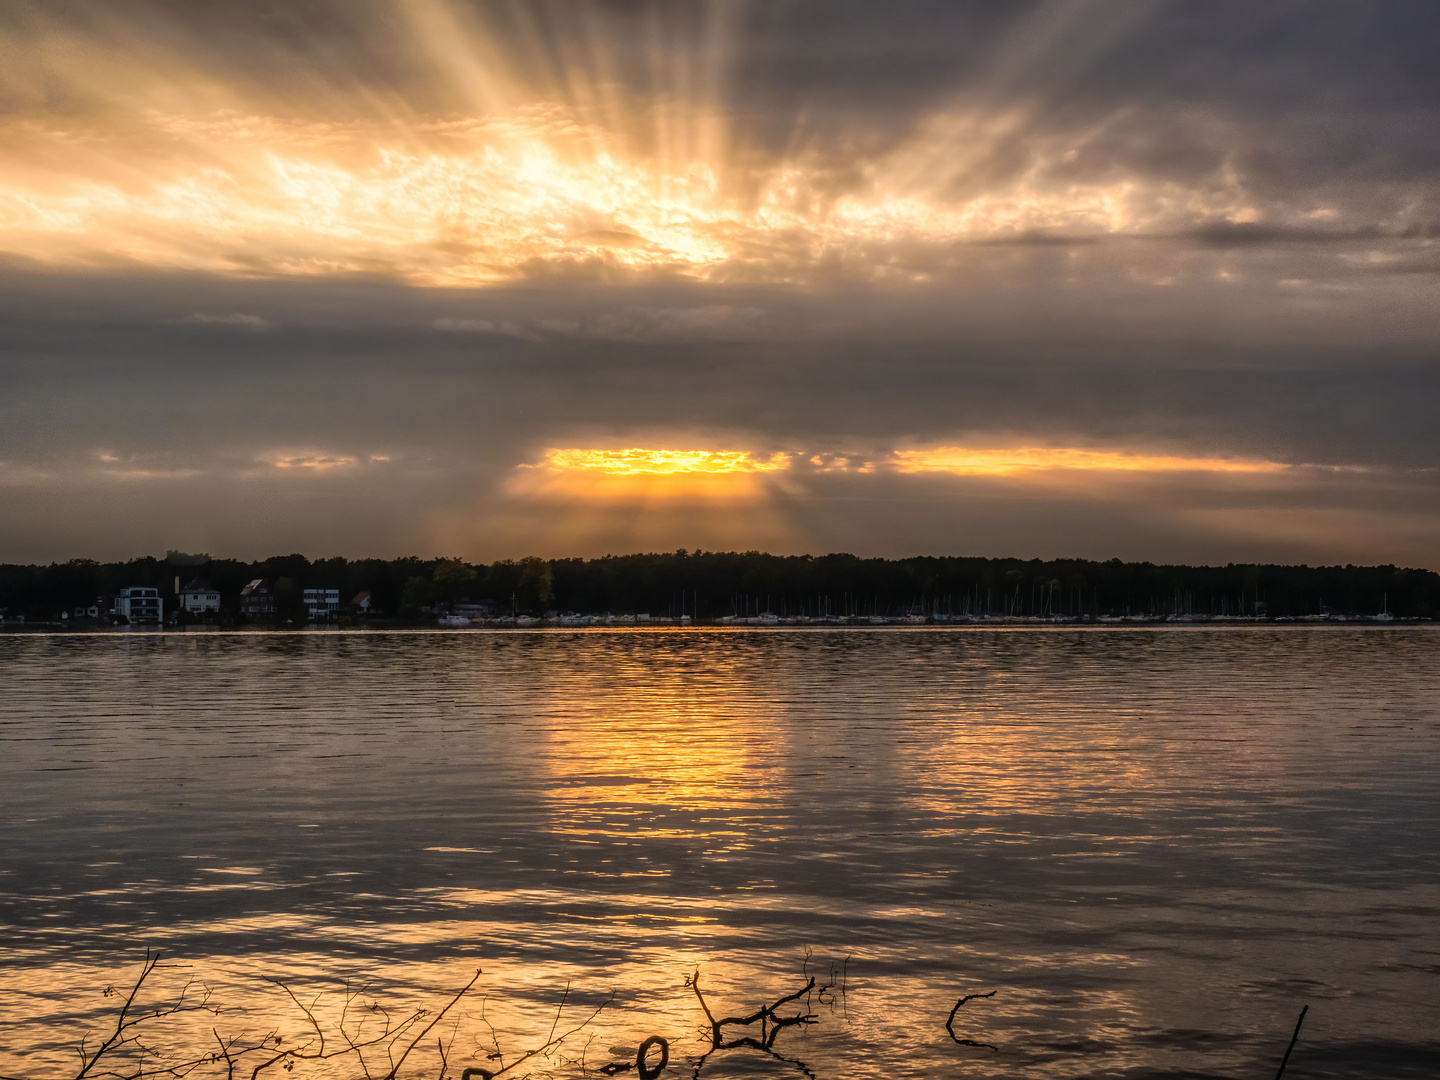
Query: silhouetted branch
{"points": [[395, 1068], [765, 1014], [1293, 1040], [123, 1039], [771, 1025], [950, 1022], [642, 1065], [552, 1041]]}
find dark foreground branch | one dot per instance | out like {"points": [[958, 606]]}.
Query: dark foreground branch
{"points": [[771, 1024], [364, 1040], [552, 1042], [125, 1039], [950, 1022], [1293, 1040]]}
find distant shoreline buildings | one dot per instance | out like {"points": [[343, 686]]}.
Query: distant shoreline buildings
{"points": [[682, 588]]}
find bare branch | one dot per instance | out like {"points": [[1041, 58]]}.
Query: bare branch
{"points": [[117, 1036], [307, 1010], [1293, 1039], [438, 1017], [950, 1022], [550, 1043]]}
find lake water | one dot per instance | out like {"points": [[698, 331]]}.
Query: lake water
{"points": [[1154, 844]]}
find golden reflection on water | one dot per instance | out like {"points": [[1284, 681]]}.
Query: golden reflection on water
{"points": [[640, 739], [1114, 829]]}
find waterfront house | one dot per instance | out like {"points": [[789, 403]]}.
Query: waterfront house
{"points": [[199, 596], [102, 608], [361, 603], [257, 598], [139, 604], [321, 604]]}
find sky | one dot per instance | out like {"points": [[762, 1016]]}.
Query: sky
{"points": [[1094, 278]]}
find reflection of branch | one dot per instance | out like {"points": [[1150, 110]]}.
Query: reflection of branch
{"points": [[950, 1022], [552, 1041], [771, 1025], [1293, 1039], [765, 1014]]}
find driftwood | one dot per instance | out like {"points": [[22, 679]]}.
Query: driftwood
{"points": [[771, 1025], [950, 1022], [642, 1060]]}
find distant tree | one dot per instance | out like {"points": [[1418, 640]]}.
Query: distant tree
{"points": [[453, 579], [417, 593], [289, 601], [502, 579], [295, 566], [535, 590]]}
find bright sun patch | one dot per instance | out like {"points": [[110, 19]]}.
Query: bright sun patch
{"points": [[637, 462], [647, 473]]}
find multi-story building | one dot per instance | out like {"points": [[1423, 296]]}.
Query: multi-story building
{"points": [[139, 604], [257, 598], [321, 603], [199, 596]]}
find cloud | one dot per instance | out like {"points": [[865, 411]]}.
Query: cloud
{"points": [[716, 322], [977, 461], [253, 251], [247, 322]]}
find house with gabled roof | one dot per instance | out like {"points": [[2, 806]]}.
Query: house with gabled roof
{"points": [[198, 596], [257, 598]]}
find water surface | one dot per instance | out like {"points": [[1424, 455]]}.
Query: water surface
{"points": [[1154, 844]]}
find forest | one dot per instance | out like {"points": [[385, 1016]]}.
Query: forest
{"points": [[709, 585]]}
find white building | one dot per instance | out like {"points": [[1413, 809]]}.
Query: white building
{"points": [[322, 603], [140, 605], [199, 596]]}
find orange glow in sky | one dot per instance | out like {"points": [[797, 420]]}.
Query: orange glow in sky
{"points": [[637, 462], [636, 471], [966, 461], [646, 473]]}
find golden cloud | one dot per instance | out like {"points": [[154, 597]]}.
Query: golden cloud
{"points": [[605, 472], [969, 461], [494, 199], [514, 147], [646, 472], [637, 462]]}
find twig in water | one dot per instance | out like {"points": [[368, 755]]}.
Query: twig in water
{"points": [[950, 1022], [123, 1037], [1293, 1039], [771, 1025], [438, 1017], [550, 1043]]}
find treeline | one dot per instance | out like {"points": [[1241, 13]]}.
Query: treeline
{"points": [[710, 585]]}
